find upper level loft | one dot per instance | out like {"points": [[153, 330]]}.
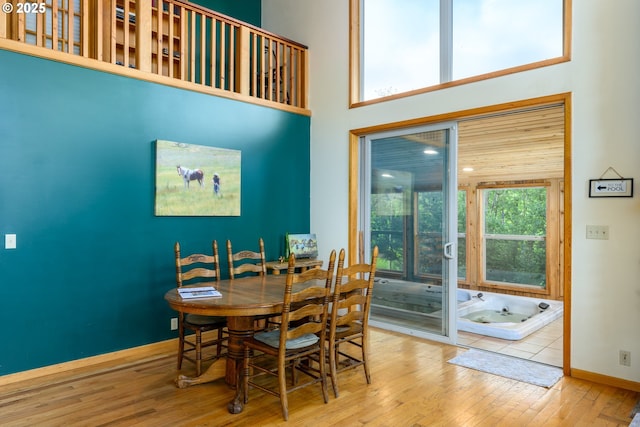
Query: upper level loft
{"points": [[170, 42]]}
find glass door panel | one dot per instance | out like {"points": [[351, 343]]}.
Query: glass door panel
{"points": [[408, 210]]}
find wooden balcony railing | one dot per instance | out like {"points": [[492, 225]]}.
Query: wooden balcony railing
{"points": [[203, 49]]}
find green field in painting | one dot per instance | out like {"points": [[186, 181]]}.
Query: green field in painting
{"points": [[173, 199]]}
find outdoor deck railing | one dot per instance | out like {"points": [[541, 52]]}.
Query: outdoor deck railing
{"points": [[169, 38]]}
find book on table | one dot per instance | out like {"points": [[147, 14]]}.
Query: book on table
{"points": [[199, 292]]}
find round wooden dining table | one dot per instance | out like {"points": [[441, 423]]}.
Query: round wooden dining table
{"points": [[242, 299]]}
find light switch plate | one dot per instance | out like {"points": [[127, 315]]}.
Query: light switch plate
{"points": [[10, 241], [600, 232]]}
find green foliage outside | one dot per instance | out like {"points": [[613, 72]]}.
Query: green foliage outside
{"points": [[515, 228], [516, 212]]}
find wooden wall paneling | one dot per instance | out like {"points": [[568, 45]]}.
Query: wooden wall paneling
{"points": [[553, 240], [472, 236], [561, 242], [515, 146]]}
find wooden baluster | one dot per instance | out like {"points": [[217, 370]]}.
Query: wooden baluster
{"points": [[304, 70], [4, 26], [263, 52], [276, 72], [212, 53], [289, 80], [192, 47], [243, 61], [70, 27], [184, 25], [143, 35], [232, 58], [203, 49], [41, 37], [21, 26], [222, 55], [159, 37], [84, 28], [269, 69], [254, 77], [170, 42], [125, 34]]}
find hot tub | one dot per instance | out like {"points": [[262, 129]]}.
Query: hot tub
{"points": [[496, 315], [508, 317]]}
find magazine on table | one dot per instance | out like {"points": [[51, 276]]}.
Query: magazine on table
{"points": [[199, 292]]}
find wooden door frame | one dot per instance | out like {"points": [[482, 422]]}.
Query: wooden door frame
{"points": [[562, 98]]}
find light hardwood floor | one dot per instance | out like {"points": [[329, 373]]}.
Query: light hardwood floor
{"points": [[412, 385]]}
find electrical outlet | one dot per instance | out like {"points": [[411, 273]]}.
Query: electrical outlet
{"points": [[625, 358], [10, 241], [174, 323]]}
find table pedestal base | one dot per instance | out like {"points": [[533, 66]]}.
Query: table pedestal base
{"points": [[229, 368]]}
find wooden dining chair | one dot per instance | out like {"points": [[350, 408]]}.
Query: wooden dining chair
{"points": [[348, 323], [201, 270], [246, 261], [297, 343]]}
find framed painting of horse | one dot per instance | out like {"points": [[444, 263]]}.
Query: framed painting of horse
{"points": [[196, 180]]}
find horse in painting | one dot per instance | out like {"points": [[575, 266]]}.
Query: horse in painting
{"points": [[189, 175]]}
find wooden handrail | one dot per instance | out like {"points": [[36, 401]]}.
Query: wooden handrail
{"points": [[170, 38]]}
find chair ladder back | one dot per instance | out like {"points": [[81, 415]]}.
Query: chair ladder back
{"points": [[212, 270], [310, 302], [260, 267], [348, 324], [200, 266]]}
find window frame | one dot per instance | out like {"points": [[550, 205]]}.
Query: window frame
{"points": [[482, 238], [355, 60]]}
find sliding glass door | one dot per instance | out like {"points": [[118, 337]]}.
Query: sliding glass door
{"points": [[408, 209]]}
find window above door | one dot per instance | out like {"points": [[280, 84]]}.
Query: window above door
{"points": [[403, 47]]}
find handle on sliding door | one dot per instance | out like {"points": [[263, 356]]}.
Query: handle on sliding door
{"points": [[449, 250]]}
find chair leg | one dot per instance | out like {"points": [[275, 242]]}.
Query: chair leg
{"points": [[333, 351], [323, 374], [282, 385], [219, 344], [245, 375], [180, 346], [198, 352], [365, 362]]}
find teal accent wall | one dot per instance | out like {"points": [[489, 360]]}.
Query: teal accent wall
{"points": [[77, 187], [249, 11]]}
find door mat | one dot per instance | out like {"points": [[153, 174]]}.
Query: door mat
{"points": [[635, 414], [509, 367]]}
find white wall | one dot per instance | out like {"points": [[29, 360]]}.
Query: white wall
{"points": [[603, 77]]}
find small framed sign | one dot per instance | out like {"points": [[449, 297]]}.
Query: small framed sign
{"points": [[622, 187]]}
